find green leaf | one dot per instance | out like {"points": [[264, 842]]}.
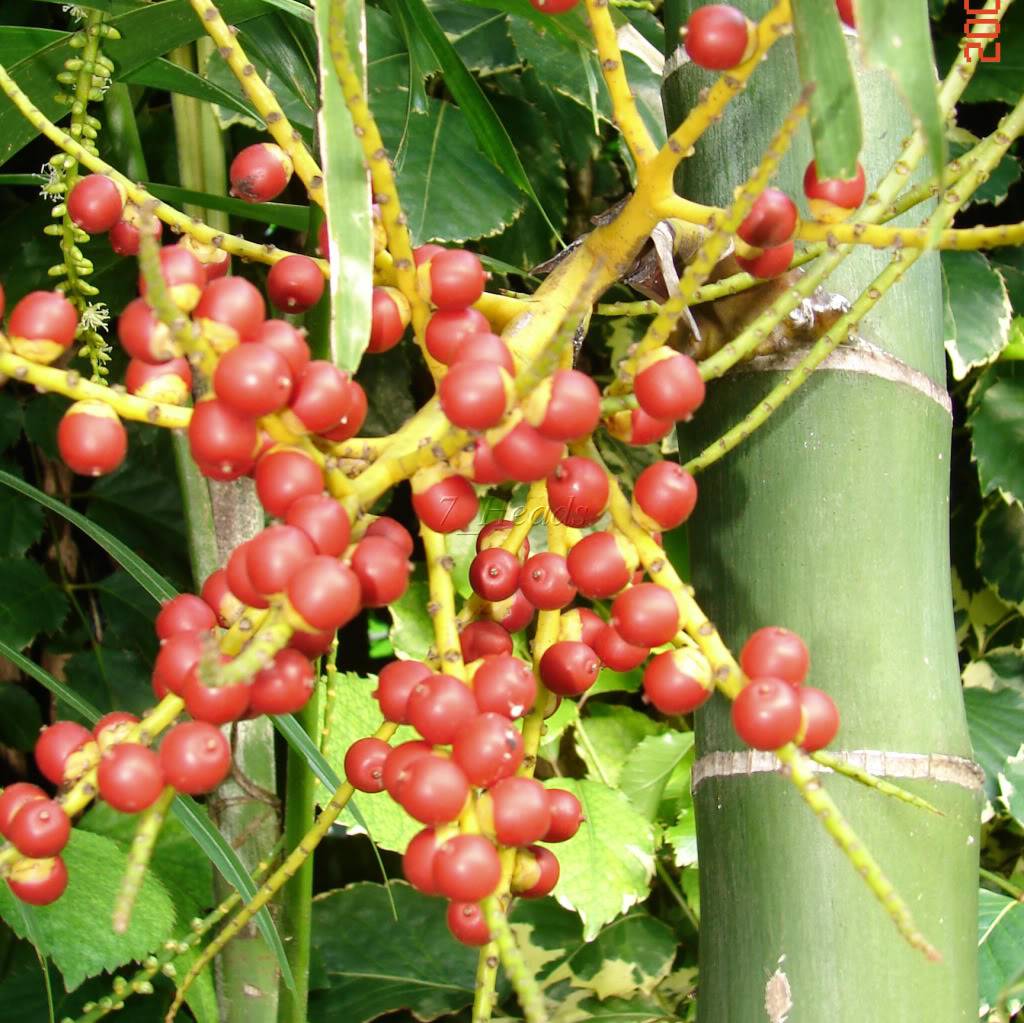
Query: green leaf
{"points": [[82, 706], [21, 524], [1003, 666], [977, 311], [295, 218], [1001, 549], [480, 36], [75, 931], [996, 722], [997, 429], [108, 678], [1000, 939], [30, 602], [607, 866], [296, 737], [898, 37], [1000, 77], [1011, 788], [997, 186], [20, 720], [349, 220], [371, 970], [649, 767], [163, 75], [835, 110], [154, 584], [606, 736], [682, 837], [412, 632]]}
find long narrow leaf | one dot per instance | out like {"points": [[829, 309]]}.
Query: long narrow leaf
{"points": [[45, 679], [162, 74], [299, 741], [148, 578], [295, 218]]}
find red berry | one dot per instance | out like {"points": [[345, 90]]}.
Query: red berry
{"points": [[677, 682], [566, 815], [439, 706], [38, 882], [545, 582], [484, 639], [390, 317], [169, 382], [494, 574], [717, 37], [554, 6], [95, 203], [485, 468], [819, 719], [646, 615], [467, 868], [283, 477], [525, 455], [91, 439], [466, 920], [394, 684], [777, 652], [834, 198], [488, 748], [446, 330], [295, 284], [383, 571], [113, 728], [285, 686], [177, 656], [616, 653], [239, 579], [234, 304], [636, 427], [351, 422], [536, 872], [13, 798], [484, 347], [456, 279], [142, 335], [260, 173], [598, 566], [183, 274], [418, 861], [130, 777], [518, 811], [125, 235], [286, 340], [474, 395], [311, 644], [64, 750], [275, 555], [446, 506], [399, 761], [324, 594], [217, 593], [434, 789], [766, 714], [513, 614], [322, 519], [770, 263], [494, 534], [666, 493], [845, 8], [669, 388], [42, 325], [195, 757], [590, 625], [364, 764], [504, 685], [577, 491], [254, 380], [321, 398], [422, 253], [217, 705], [220, 438], [184, 613], [567, 408], [771, 220], [393, 530], [569, 668]]}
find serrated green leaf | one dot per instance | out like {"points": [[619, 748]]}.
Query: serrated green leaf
{"points": [[480, 36], [30, 602], [1001, 549], [607, 734], [835, 110], [412, 632], [1000, 939], [996, 722], [1011, 788], [107, 678], [81, 706], [997, 429], [1003, 666], [21, 523], [555, 726], [95, 868], [20, 719], [607, 866], [977, 311], [898, 38], [370, 970], [682, 837], [649, 766]]}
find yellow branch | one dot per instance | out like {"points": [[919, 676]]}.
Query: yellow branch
{"points": [[912, 237], [442, 602]]}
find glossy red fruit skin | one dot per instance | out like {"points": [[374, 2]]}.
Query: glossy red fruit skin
{"points": [[457, 279], [393, 530], [554, 6], [547, 864], [670, 389], [95, 205], [286, 340], [125, 237], [846, 13], [386, 324], [218, 706], [671, 689], [447, 506], [424, 252], [182, 273], [466, 920], [195, 757], [113, 728], [566, 815], [446, 330], [777, 652], [667, 493], [646, 615], [766, 714], [295, 284], [484, 347], [484, 639], [364, 764], [770, 263], [771, 220], [524, 455], [487, 539], [324, 593], [283, 476], [519, 810], [284, 686], [545, 582], [383, 571], [717, 37], [276, 554], [310, 644], [395, 682], [55, 746], [177, 656], [13, 798], [321, 397], [597, 567], [573, 409], [217, 593], [439, 706], [418, 861], [434, 790], [130, 777], [488, 748], [819, 721], [845, 193], [240, 581], [569, 668], [35, 889], [616, 653], [504, 685], [513, 614], [91, 445], [399, 761], [235, 303], [258, 173], [485, 468], [322, 519], [351, 422], [473, 395], [45, 316], [253, 380], [219, 436], [169, 382], [141, 333], [184, 613], [577, 491], [494, 574], [467, 868]]}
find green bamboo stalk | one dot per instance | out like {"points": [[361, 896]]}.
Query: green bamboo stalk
{"points": [[832, 519]]}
